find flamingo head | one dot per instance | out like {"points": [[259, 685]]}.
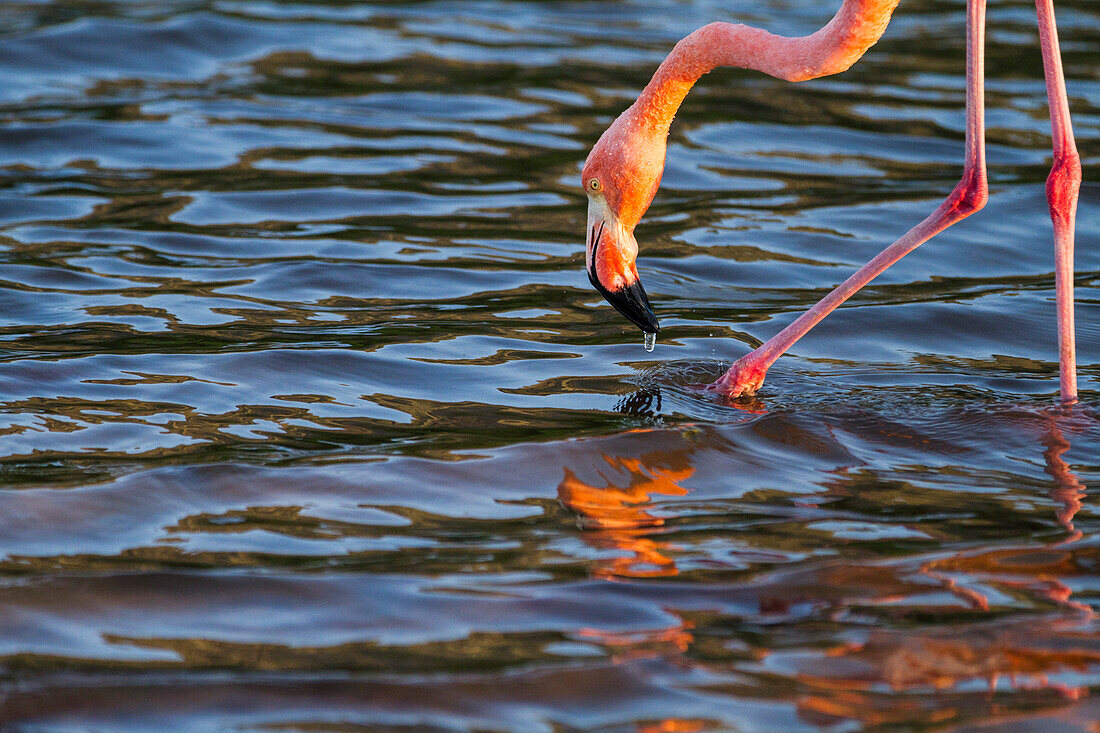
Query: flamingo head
{"points": [[621, 177]]}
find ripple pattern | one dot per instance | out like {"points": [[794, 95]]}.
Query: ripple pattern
{"points": [[309, 419]]}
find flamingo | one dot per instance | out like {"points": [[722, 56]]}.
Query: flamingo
{"points": [[623, 170]]}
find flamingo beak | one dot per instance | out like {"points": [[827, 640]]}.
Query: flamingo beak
{"points": [[610, 255]]}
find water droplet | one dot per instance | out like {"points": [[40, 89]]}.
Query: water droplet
{"points": [[650, 341]]}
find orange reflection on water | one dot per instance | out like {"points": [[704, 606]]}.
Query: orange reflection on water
{"points": [[1068, 490], [617, 515], [668, 642], [1025, 653], [675, 725], [926, 666]]}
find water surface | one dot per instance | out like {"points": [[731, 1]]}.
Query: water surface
{"points": [[311, 421]]}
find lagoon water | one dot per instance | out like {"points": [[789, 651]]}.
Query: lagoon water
{"points": [[311, 420]]}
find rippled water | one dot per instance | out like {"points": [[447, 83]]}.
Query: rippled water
{"points": [[311, 420]]}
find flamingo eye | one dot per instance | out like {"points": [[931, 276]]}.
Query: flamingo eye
{"points": [[594, 185]]}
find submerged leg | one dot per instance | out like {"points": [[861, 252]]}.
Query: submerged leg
{"points": [[1062, 186], [747, 373]]}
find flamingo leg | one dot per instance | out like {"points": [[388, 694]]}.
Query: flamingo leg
{"points": [[747, 373], [1062, 186]]}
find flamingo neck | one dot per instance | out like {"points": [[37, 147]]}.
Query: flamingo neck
{"points": [[832, 49]]}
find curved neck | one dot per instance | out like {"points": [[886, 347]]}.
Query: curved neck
{"points": [[839, 44]]}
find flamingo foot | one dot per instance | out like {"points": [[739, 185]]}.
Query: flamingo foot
{"points": [[743, 379]]}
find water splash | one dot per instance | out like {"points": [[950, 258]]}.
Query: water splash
{"points": [[650, 341]]}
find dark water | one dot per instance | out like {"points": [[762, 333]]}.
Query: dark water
{"points": [[311, 421]]}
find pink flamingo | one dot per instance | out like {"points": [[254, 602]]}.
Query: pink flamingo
{"points": [[623, 171]]}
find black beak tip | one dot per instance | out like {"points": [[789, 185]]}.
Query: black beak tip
{"points": [[650, 325], [643, 319], [632, 302]]}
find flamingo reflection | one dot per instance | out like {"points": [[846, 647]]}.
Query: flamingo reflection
{"points": [[1033, 657], [618, 514], [1068, 490], [1024, 653]]}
